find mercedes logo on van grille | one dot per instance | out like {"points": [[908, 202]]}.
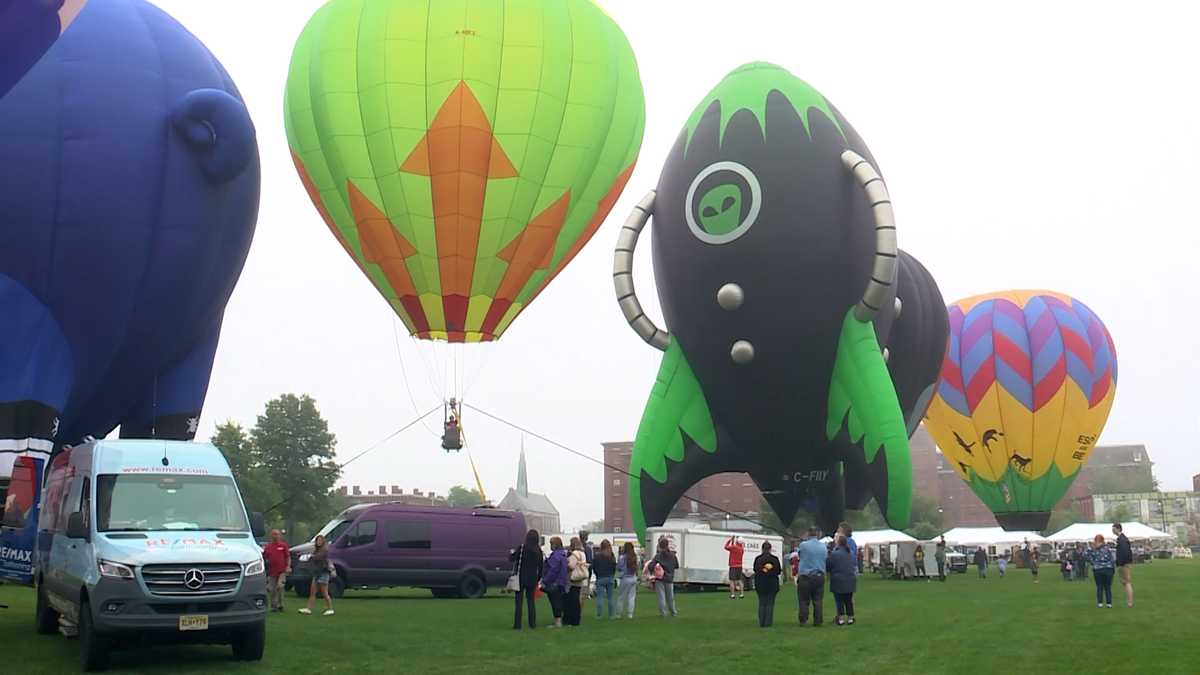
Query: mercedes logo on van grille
{"points": [[193, 579]]}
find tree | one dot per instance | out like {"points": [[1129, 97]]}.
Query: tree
{"points": [[869, 518], [462, 496], [1119, 513], [1060, 518], [293, 443], [594, 526], [927, 511], [258, 489]]}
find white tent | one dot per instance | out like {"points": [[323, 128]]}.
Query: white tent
{"points": [[989, 536], [1087, 531], [871, 537]]}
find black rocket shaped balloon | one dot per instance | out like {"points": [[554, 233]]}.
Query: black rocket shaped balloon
{"points": [[774, 249]]}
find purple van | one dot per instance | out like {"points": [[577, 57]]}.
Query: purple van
{"points": [[454, 552]]}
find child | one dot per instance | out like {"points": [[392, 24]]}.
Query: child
{"points": [[1002, 563]]}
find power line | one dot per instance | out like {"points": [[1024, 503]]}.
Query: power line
{"points": [[378, 443], [577, 453]]}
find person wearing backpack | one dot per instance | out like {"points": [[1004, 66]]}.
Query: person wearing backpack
{"points": [[579, 571], [528, 566], [663, 568]]}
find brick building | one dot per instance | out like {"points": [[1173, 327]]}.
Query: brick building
{"points": [[706, 501], [933, 478], [354, 495]]}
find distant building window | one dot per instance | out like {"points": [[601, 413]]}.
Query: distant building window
{"points": [[1137, 457], [616, 482], [725, 484]]}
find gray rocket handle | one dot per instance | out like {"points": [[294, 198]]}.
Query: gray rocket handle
{"points": [[623, 276], [883, 272]]}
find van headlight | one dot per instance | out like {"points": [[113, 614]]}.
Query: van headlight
{"points": [[254, 568], [114, 570]]}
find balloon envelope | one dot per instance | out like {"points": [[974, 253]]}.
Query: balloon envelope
{"points": [[122, 230], [463, 152], [1026, 387]]}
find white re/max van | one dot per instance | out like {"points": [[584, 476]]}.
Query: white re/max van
{"points": [[148, 542]]}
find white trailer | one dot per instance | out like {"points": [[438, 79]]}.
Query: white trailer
{"points": [[703, 560]]}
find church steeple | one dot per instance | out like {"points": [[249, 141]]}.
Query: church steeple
{"points": [[522, 477]]}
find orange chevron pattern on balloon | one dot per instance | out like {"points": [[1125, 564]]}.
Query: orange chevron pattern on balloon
{"points": [[1025, 389], [463, 151]]}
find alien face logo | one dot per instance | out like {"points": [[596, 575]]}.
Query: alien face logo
{"points": [[723, 202]]}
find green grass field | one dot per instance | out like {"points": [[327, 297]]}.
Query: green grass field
{"points": [[963, 626]]}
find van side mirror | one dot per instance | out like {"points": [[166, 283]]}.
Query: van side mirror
{"points": [[76, 527], [258, 525]]}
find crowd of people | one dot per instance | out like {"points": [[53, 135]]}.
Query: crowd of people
{"points": [[1106, 561], [566, 576], [573, 572]]}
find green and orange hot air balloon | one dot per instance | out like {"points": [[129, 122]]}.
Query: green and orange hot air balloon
{"points": [[463, 151]]}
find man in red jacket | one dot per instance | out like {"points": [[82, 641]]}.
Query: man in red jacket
{"points": [[736, 583], [279, 565]]}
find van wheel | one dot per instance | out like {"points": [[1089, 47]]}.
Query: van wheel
{"points": [[471, 586], [93, 647], [337, 588], [45, 617], [248, 643], [301, 588]]}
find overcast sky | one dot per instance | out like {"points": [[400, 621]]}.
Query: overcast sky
{"points": [[1025, 145]]}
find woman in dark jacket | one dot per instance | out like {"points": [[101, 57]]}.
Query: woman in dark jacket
{"points": [[766, 583], [842, 580], [527, 565], [555, 579]]}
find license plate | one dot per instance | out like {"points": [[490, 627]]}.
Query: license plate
{"points": [[193, 622]]}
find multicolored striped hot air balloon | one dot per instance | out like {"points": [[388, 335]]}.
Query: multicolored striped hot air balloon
{"points": [[463, 151], [1026, 387]]}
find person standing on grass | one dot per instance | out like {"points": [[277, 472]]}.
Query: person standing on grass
{"points": [[845, 530], [320, 570], [667, 562], [940, 556], [589, 552], [919, 561], [1033, 563], [627, 568], [1124, 562], [1103, 566], [981, 562], [529, 567], [1002, 564], [767, 569], [810, 581], [579, 572], [555, 579], [736, 552], [279, 565], [843, 580], [604, 565]]}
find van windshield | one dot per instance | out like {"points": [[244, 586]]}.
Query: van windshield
{"points": [[146, 502], [333, 529]]}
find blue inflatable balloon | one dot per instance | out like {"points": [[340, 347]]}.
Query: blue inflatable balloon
{"points": [[27, 29], [129, 186]]}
